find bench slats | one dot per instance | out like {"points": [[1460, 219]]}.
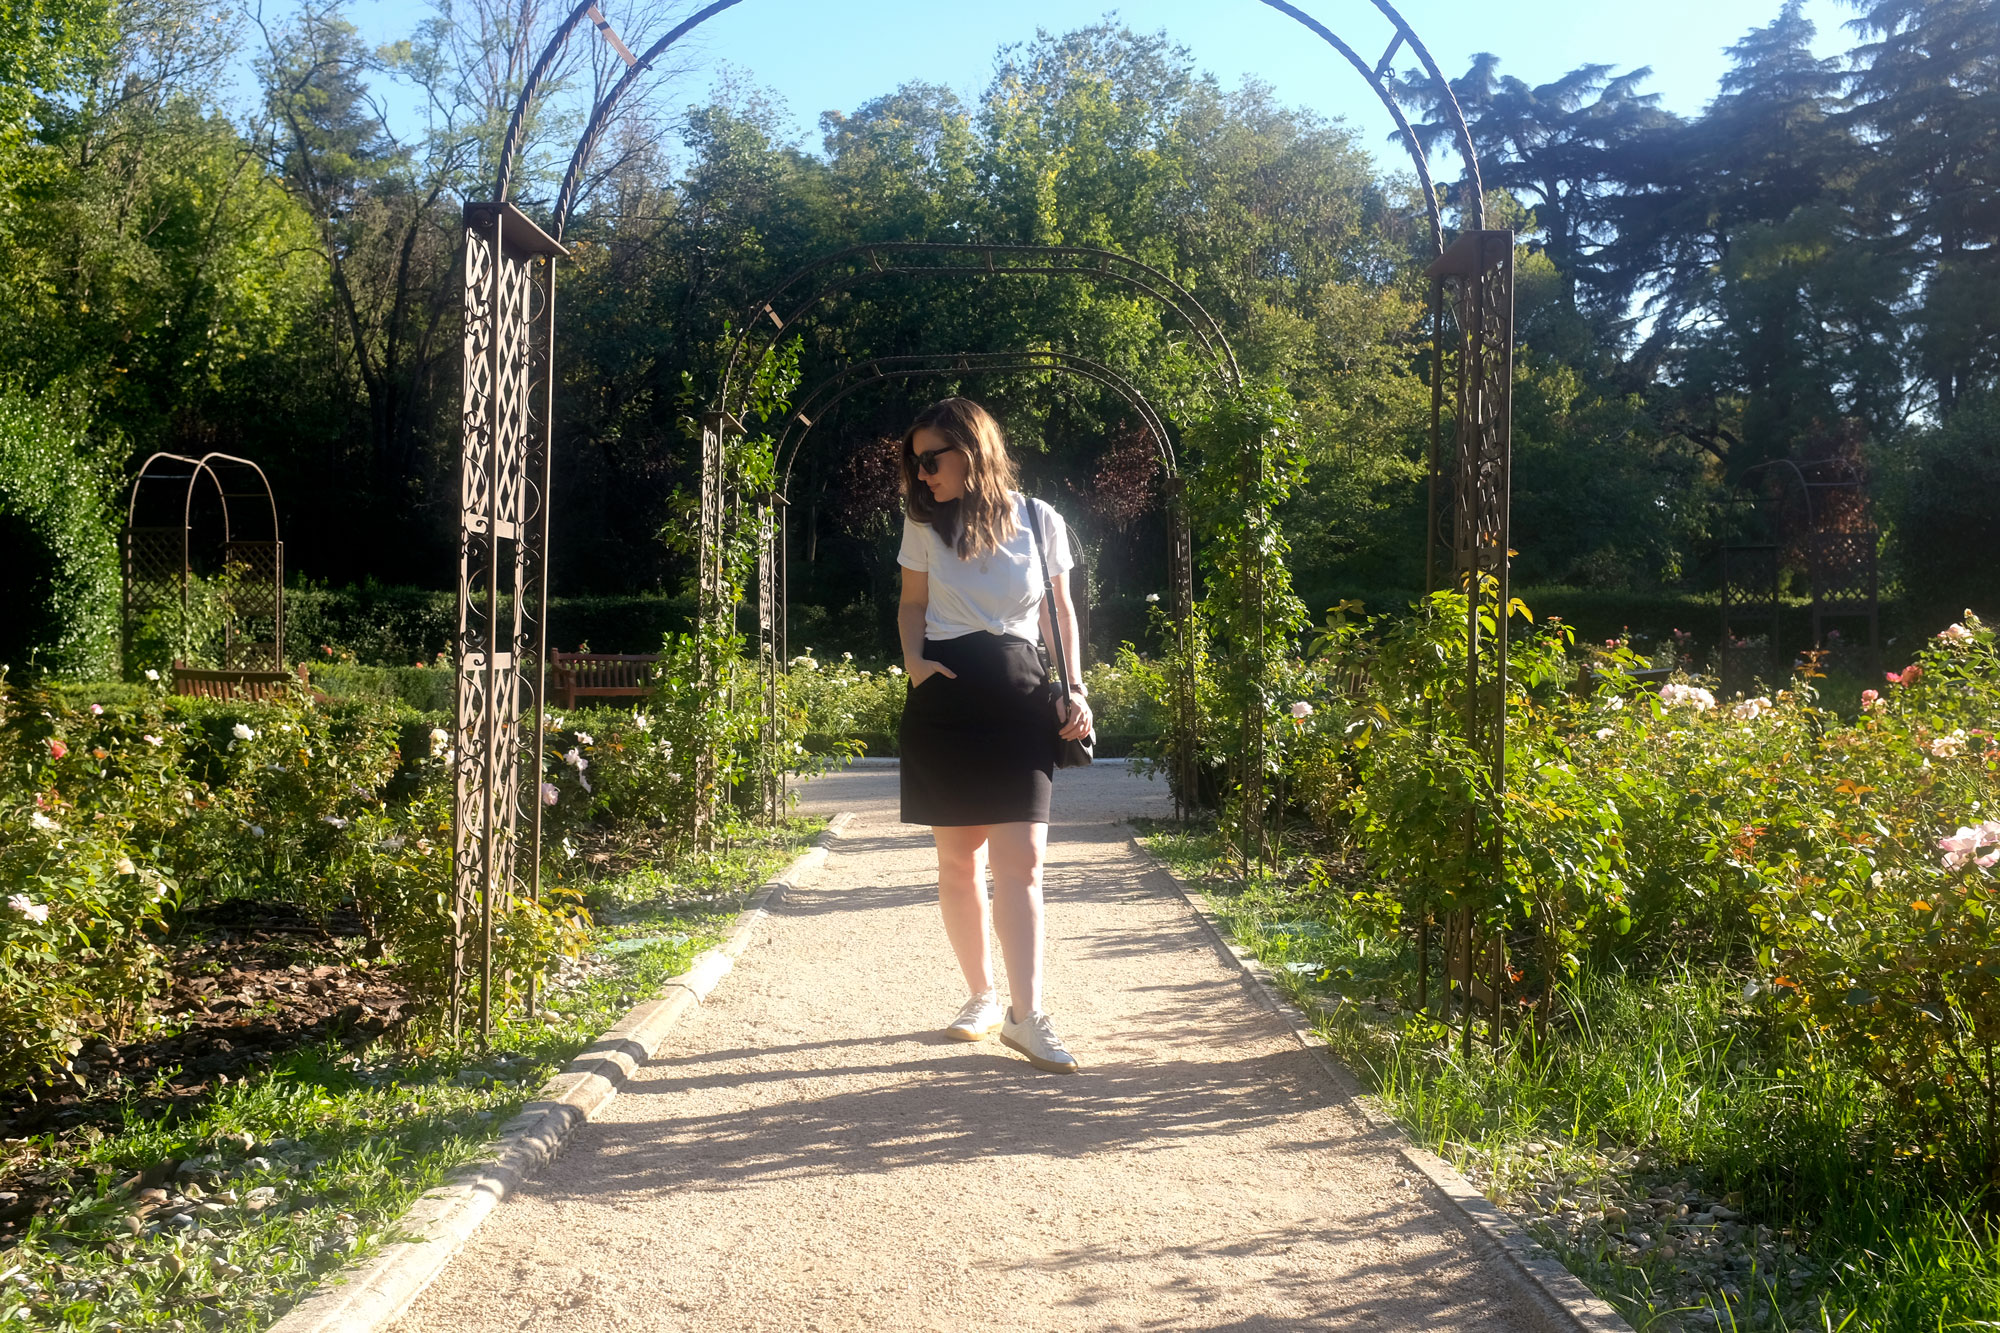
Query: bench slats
{"points": [[601, 675]]}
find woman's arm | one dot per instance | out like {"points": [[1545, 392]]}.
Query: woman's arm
{"points": [[910, 610], [1080, 720]]}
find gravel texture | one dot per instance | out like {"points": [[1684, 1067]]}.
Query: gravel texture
{"points": [[808, 1152]]}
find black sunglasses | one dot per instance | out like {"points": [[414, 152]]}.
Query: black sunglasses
{"points": [[927, 462]]}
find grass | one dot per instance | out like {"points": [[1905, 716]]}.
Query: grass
{"points": [[290, 1174], [1690, 1155]]}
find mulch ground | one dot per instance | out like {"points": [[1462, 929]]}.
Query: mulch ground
{"points": [[250, 982]]}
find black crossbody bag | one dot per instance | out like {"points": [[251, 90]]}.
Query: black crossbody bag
{"points": [[1069, 753]]}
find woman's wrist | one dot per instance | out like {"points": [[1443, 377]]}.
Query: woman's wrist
{"points": [[1080, 691]]}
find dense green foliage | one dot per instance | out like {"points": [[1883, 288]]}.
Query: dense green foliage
{"points": [[120, 806], [57, 539], [1803, 883], [1806, 269]]}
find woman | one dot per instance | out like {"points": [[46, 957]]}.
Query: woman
{"points": [[978, 738]]}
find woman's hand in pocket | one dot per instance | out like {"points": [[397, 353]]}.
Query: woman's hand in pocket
{"points": [[924, 670]]}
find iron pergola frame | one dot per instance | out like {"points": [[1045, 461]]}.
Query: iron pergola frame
{"points": [[158, 557], [1840, 566], [510, 326], [813, 407]]}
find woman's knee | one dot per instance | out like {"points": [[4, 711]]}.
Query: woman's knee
{"points": [[960, 858], [1017, 856]]}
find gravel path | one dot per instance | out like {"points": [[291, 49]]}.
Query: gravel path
{"points": [[807, 1153]]}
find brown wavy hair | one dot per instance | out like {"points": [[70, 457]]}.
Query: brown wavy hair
{"points": [[983, 517]]}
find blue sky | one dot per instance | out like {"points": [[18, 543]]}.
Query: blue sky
{"points": [[826, 54]]}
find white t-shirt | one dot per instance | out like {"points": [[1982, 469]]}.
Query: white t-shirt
{"points": [[999, 592]]}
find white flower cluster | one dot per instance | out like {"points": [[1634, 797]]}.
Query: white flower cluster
{"points": [[1692, 695], [1948, 746], [1965, 845], [1752, 709], [242, 732], [1956, 634]]}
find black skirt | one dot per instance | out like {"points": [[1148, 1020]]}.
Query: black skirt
{"points": [[980, 748]]}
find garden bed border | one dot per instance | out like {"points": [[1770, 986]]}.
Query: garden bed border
{"points": [[1558, 1298], [375, 1294]]}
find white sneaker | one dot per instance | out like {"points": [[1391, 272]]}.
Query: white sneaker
{"points": [[1035, 1037], [976, 1021]]}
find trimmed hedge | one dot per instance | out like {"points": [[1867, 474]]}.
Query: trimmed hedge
{"points": [[58, 542], [399, 626]]}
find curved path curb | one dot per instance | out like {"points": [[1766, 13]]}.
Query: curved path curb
{"points": [[1561, 1300], [375, 1294]]}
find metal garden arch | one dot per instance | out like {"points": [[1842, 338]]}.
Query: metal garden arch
{"points": [[506, 419], [809, 290], [813, 406], [159, 554]]}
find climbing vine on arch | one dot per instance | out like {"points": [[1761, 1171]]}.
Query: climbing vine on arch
{"points": [[1244, 461]]}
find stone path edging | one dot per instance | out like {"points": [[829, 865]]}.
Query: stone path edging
{"points": [[1558, 1296], [375, 1295]]}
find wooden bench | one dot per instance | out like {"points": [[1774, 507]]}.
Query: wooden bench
{"points": [[600, 676], [207, 683]]}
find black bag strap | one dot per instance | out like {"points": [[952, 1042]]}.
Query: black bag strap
{"points": [[1048, 594]]}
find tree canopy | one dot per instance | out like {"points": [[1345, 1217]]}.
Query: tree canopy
{"points": [[1814, 257]]}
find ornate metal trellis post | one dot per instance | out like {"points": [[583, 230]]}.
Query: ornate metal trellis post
{"points": [[503, 595], [1473, 282], [714, 602], [1250, 759], [770, 763], [1187, 708]]}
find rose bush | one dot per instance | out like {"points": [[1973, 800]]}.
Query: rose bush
{"points": [[1847, 870]]}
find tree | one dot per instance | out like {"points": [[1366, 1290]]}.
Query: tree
{"points": [[48, 48], [1927, 90], [1564, 148]]}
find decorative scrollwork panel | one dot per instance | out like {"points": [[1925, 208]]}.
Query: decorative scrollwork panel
{"points": [[503, 589]]}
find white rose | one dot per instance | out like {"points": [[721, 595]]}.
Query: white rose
{"points": [[242, 732]]}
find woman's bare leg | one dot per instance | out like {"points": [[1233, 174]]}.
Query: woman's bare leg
{"points": [[962, 901], [1016, 851]]}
